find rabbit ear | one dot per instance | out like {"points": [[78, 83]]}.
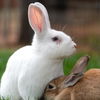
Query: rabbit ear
{"points": [[38, 17], [77, 72], [80, 65]]}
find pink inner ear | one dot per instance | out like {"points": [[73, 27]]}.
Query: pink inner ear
{"points": [[36, 18]]}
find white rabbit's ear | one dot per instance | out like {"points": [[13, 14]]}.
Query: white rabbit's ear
{"points": [[38, 17], [77, 72], [72, 79]]}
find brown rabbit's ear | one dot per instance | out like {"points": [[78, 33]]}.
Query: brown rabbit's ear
{"points": [[77, 72], [80, 65]]}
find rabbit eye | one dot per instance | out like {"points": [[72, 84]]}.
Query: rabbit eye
{"points": [[51, 86], [55, 38]]}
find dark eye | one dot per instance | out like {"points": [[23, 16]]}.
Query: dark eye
{"points": [[51, 86], [55, 38]]}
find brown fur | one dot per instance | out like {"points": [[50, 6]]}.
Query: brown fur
{"points": [[87, 88]]}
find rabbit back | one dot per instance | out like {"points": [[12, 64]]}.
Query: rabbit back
{"points": [[9, 79], [88, 88]]}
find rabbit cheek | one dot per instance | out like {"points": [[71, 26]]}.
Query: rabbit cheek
{"points": [[63, 95], [58, 42], [51, 97]]}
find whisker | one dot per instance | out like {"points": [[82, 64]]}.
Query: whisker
{"points": [[63, 28]]}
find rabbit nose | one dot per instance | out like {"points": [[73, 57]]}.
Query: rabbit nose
{"points": [[75, 46]]}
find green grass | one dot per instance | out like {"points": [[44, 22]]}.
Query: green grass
{"points": [[4, 55], [68, 63], [4, 99]]}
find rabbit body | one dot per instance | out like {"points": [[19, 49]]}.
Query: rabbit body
{"points": [[87, 88], [29, 80], [30, 68]]}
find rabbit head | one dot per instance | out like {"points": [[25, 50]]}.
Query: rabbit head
{"points": [[55, 90], [47, 41]]}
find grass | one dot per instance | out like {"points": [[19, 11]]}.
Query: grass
{"points": [[4, 55], [68, 63], [4, 99]]}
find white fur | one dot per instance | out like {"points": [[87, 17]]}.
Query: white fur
{"points": [[30, 68]]}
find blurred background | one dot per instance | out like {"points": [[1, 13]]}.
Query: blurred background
{"points": [[78, 18]]}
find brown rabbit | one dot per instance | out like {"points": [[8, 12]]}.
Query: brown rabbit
{"points": [[75, 86]]}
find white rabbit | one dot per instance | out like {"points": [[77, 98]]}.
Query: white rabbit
{"points": [[76, 86], [30, 68]]}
